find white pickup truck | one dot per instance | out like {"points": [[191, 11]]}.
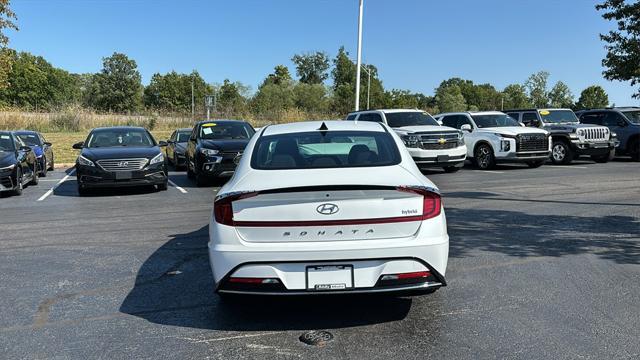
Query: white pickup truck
{"points": [[429, 143]]}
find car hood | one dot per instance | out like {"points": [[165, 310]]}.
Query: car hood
{"points": [[123, 152], [512, 130], [225, 145], [423, 128], [7, 158]]}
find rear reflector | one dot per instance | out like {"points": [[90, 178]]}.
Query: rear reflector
{"points": [[402, 276], [417, 277], [254, 280]]}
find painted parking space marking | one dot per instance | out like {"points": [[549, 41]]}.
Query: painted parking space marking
{"points": [[492, 172], [567, 167], [50, 191], [177, 187]]}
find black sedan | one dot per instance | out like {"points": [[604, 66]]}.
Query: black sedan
{"points": [[42, 149], [177, 146], [18, 165], [215, 147], [120, 156]]}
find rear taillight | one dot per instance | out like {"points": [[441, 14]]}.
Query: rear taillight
{"points": [[431, 201], [223, 209], [253, 284]]}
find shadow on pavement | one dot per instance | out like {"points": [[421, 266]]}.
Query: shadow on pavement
{"points": [[174, 286]]}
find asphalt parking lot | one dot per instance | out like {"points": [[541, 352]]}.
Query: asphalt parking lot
{"points": [[544, 263]]}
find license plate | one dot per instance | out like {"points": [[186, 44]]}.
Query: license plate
{"points": [[123, 175], [600, 145], [443, 158], [329, 277]]}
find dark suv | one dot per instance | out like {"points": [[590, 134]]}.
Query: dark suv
{"points": [[570, 138], [215, 147], [623, 121]]}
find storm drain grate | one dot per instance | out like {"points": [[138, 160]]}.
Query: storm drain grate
{"points": [[316, 337]]}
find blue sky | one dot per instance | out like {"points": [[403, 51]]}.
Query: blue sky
{"points": [[414, 43]]}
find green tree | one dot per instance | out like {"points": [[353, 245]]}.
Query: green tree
{"points": [[172, 91], [311, 97], [536, 86], [7, 17], [560, 96], [515, 97], [312, 67], [231, 102], [117, 86], [622, 61], [449, 99], [280, 76], [402, 99], [593, 97], [482, 96], [273, 98], [344, 75]]}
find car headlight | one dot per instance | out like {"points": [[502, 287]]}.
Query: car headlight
{"points": [[157, 159], [84, 161], [580, 132], [613, 134], [410, 141], [10, 167], [505, 145], [209, 152]]}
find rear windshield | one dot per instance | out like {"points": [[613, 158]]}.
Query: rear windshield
{"points": [[558, 116], [633, 116], [335, 149], [409, 118]]}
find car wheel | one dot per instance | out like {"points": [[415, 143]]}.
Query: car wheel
{"points": [[451, 169], [604, 158], [634, 149], [190, 173], [45, 167], [162, 187], [561, 153], [535, 164], [484, 157], [35, 179], [18, 190]]}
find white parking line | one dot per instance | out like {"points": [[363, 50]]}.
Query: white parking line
{"points": [[177, 187], [567, 167], [46, 195], [491, 171]]}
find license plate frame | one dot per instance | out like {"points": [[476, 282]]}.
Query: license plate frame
{"points": [[442, 158], [124, 175], [332, 277]]}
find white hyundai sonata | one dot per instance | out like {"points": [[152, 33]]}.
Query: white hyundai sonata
{"points": [[327, 207]]}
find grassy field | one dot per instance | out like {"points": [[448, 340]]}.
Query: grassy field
{"points": [[62, 142]]}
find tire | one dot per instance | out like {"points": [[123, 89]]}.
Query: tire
{"points": [[18, 190], [43, 173], [561, 153], [535, 164], [484, 157], [604, 158], [451, 169], [163, 187], [633, 148], [35, 179], [190, 173]]}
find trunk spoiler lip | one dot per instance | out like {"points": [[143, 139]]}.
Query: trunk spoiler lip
{"points": [[250, 193]]}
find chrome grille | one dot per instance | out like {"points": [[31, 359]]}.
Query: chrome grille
{"points": [[122, 164], [532, 142], [596, 134], [438, 141]]}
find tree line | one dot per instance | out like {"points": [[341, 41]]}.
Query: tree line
{"points": [[32, 83]]}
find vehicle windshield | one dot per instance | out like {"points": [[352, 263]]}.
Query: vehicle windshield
{"points": [[226, 131], [30, 139], [6, 144], [558, 116], [335, 149], [633, 116], [409, 118], [183, 136], [119, 137], [494, 120]]}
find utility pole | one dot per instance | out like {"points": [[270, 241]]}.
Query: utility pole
{"points": [[359, 64], [193, 103]]}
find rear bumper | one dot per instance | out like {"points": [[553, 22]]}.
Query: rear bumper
{"points": [[288, 261]]}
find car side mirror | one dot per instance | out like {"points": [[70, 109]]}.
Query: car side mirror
{"points": [[466, 127], [25, 148], [170, 142], [523, 125], [78, 145], [48, 144], [162, 143]]}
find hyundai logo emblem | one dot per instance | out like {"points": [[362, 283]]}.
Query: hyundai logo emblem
{"points": [[123, 164], [327, 209]]}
